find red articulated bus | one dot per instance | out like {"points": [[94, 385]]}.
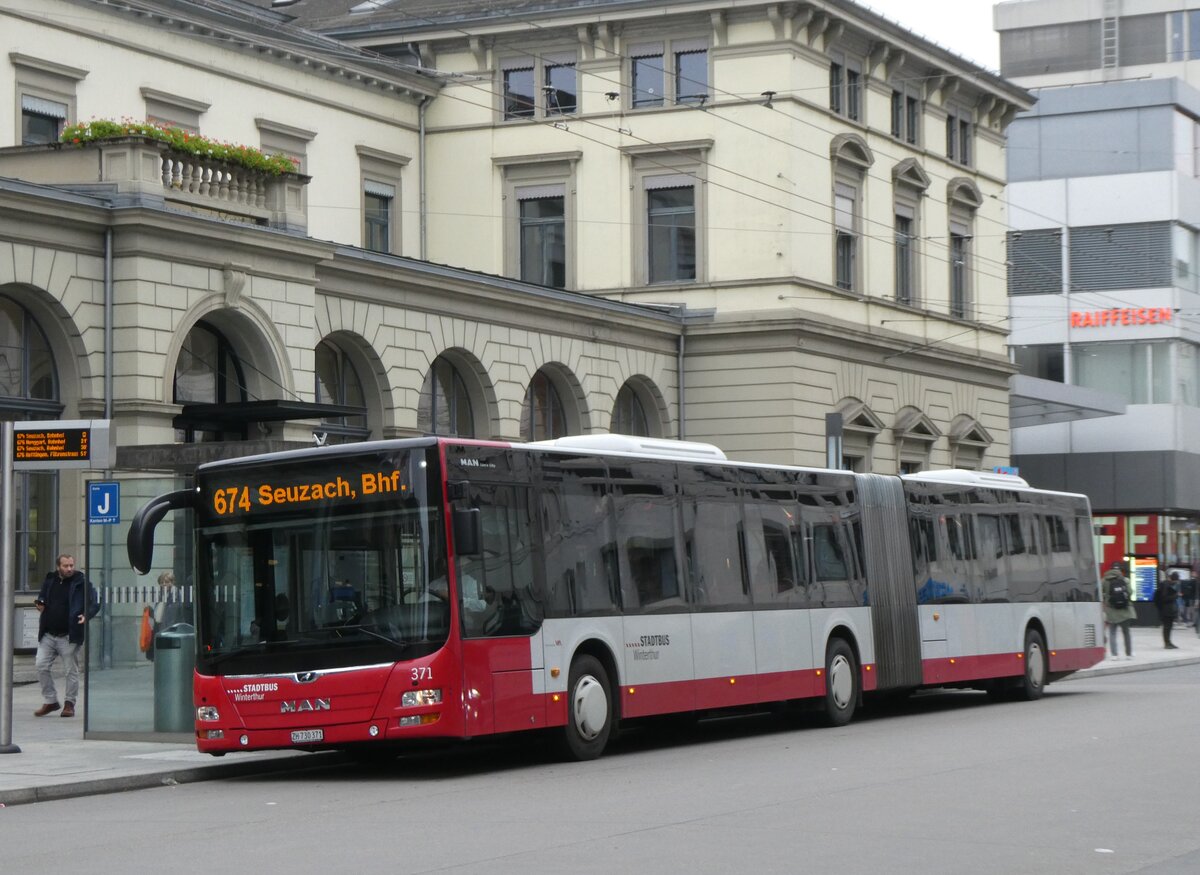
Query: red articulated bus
{"points": [[367, 595]]}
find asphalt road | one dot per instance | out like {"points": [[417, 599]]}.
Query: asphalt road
{"points": [[1100, 776]]}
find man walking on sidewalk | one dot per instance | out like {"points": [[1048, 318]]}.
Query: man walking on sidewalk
{"points": [[66, 602], [1166, 599]]}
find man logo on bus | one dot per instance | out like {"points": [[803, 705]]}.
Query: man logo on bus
{"points": [[298, 705]]}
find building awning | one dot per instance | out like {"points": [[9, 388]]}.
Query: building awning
{"points": [[239, 413], [1033, 401]]}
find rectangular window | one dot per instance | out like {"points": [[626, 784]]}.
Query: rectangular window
{"points": [[1054, 48], [1042, 360], [579, 549], [912, 120], [1193, 42], [960, 255], [713, 541], [518, 93], [498, 592], [1138, 372], [1184, 246], [648, 78], [377, 215], [904, 259], [845, 89], [958, 137], [853, 94], [646, 528], [687, 62], [671, 233], [543, 243], [1140, 39], [381, 175], [1187, 373], [845, 220], [42, 120], [691, 75], [561, 89], [1176, 38], [906, 117], [1035, 262]]}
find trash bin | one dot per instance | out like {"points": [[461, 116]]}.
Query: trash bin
{"points": [[174, 664]]}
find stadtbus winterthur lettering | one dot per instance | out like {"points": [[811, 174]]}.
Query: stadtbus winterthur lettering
{"points": [[245, 497]]}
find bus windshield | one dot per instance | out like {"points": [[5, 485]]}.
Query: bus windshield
{"points": [[291, 585]]}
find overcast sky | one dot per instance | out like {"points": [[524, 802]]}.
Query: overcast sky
{"points": [[962, 26]]}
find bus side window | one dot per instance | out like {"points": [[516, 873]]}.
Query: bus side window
{"points": [[1014, 537], [646, 547], [497, 590], [711, 531], [829, 558], [772, 542]]}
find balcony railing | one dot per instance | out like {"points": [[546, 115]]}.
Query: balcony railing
{"points": [[151, 170]]}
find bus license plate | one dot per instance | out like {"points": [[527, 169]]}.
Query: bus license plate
{"points": [[303, 736]]}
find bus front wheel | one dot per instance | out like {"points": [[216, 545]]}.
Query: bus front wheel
{"points": [[589, 710], [841, 683]]}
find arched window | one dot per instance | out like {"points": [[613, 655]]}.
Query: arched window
{"points": [[629, 417], [445, 406], [29, 390], [337, 382], [542, 416], [27, 374], [208, 372]]}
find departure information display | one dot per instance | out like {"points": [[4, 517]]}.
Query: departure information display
{"points": [[53, 445], [64, 443]]}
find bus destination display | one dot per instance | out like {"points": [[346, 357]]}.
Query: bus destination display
{"points": [[53, 445]]}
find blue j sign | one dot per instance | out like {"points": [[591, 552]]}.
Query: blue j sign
{"points": [[104, 503]]}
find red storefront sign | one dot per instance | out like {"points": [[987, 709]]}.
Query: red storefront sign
{"points": [[1121, 316]]}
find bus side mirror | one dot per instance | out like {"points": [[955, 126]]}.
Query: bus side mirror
{"points": [[140, 543], [467, 531]]}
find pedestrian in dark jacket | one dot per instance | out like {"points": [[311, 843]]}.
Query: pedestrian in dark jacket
{"points": [[65, 603], [1166, 599]]}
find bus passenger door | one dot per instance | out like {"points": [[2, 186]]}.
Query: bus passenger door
{"points": [[500, 615]]}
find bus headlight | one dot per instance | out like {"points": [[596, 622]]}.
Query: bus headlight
{"points": [[207, 714], [417, 698]]}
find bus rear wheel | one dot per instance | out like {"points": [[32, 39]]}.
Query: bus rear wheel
{"points": [[1032, 683], [589, 710], [841, 683]]}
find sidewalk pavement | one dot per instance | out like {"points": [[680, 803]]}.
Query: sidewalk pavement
{"points": [[56, 762]]}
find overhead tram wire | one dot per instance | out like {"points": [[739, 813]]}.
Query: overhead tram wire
{"points": [[346, 51], [743, 100], [359, 54]]}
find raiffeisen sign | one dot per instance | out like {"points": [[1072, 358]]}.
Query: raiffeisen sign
{"points": [[1121, 316]]}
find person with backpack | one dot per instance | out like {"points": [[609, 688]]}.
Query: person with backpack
{"points": [[1119, 612]]}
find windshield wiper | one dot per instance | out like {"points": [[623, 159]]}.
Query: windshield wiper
{"points": [[398, 643]]}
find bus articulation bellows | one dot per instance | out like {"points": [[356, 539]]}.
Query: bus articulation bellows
{"points": [[378, 593]]}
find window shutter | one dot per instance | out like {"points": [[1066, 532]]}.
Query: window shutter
{"points": [[1035, 262], [535, 192], [48, 108], [379, 189], [1121, 257]]}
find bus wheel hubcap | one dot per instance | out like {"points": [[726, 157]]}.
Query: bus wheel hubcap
{"points": [[1035, 665], [841, 682], [591, 707]]}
